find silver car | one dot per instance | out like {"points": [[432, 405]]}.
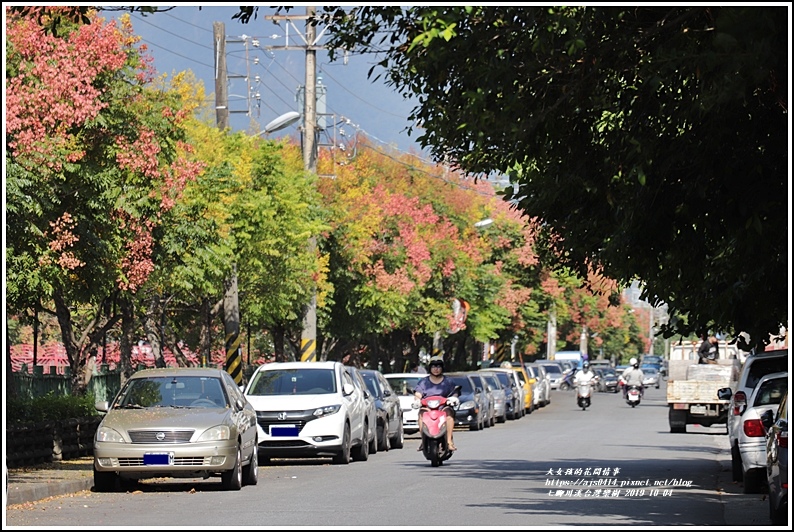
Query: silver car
{"points": [[176, 422], [542, 390]]}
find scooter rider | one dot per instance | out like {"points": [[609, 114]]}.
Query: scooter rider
{"points": [[583, 376], [437, 384], [633, 376]]}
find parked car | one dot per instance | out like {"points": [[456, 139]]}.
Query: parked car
{"points": [[554, 372], [650, 376], [389, 413], [469, 412], [176, 422], [512, 389], [488, 403], [777, 461], [751, 439], [309, 410], [499, 395], [372, 409], [528, 385], [517, 400], [403, 385], [754, 367], [542, 390]]}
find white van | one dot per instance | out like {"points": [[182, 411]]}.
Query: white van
{"points": [[573, 356]]}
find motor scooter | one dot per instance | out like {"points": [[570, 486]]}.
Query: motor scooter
{"points": [[434, 428], [567, 381], [583, 392], [633, 395]]}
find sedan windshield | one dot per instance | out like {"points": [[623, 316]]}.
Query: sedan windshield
{"points": [[175, 392]]}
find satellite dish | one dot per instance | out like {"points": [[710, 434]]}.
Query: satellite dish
{"points": [[287, 119]]}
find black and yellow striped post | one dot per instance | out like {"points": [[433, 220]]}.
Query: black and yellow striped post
{"points": [[231, 324], [234, 358], [499, 354], [308, 350]]}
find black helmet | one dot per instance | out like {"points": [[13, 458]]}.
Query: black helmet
{"points": [[586, 366]]}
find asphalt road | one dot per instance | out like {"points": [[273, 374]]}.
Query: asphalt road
{"points": [[558, 467]]}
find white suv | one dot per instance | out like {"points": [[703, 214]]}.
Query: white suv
{"points": [[309, 409], [755, 367]]}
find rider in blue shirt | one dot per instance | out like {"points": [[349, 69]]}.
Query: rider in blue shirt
{"points": [[437, 384]]}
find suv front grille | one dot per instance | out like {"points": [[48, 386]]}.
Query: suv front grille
{"points": [[299, 418]]}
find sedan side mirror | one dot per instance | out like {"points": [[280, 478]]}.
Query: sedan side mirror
{"points": [[767, 419]]}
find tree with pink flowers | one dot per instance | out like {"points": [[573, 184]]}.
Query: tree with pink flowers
{"points": [[94, 158]]}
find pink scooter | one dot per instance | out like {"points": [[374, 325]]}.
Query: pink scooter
{"points": [[434, 430]]}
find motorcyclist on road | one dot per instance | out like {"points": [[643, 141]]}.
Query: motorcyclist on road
{"points": [[583, 376], [437, 384], [633, 376]]}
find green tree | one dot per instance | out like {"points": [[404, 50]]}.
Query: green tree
{"points": [[652, 140]]}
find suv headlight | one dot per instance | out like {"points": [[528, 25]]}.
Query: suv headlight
{"points": [[326, 410]]}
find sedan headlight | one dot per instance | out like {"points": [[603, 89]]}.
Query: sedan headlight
{"points": [[216, 433], [109, 435], [468, 405]]}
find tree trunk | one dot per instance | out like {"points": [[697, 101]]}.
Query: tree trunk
{"points": [[11, 389], [278, 343], [127, 340], [64, 316], [153, 334]]}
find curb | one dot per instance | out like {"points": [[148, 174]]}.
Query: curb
{"points": [[21, 493]]}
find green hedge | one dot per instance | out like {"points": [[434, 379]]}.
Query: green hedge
{"points": [[50, 407]]}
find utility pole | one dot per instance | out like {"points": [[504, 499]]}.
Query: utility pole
{"points": [[231, 305], [221, 93], [309, 147]]}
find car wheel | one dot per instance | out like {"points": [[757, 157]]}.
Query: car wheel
{"points": [[232, 480], [373, 442], [343, 456], [104, 481], [383, 436], [752, 480], [736, 464], [398, 440], [251, 471], [362, 451]]}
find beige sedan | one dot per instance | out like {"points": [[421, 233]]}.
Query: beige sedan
{"points": [[176, 422]]}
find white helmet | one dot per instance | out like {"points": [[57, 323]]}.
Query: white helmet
{"points": [[633, 362]]}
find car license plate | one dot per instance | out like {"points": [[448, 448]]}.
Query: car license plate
{"points": [[284, 430], [158, 459], [697, 409]]}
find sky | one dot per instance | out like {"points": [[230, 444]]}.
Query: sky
{"points": [[268, 82]]}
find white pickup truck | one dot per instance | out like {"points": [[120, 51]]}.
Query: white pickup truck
{"points": [[692, 390]]}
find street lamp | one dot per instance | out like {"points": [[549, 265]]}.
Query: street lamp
{"points": [[483, 223], [285, 120]]}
